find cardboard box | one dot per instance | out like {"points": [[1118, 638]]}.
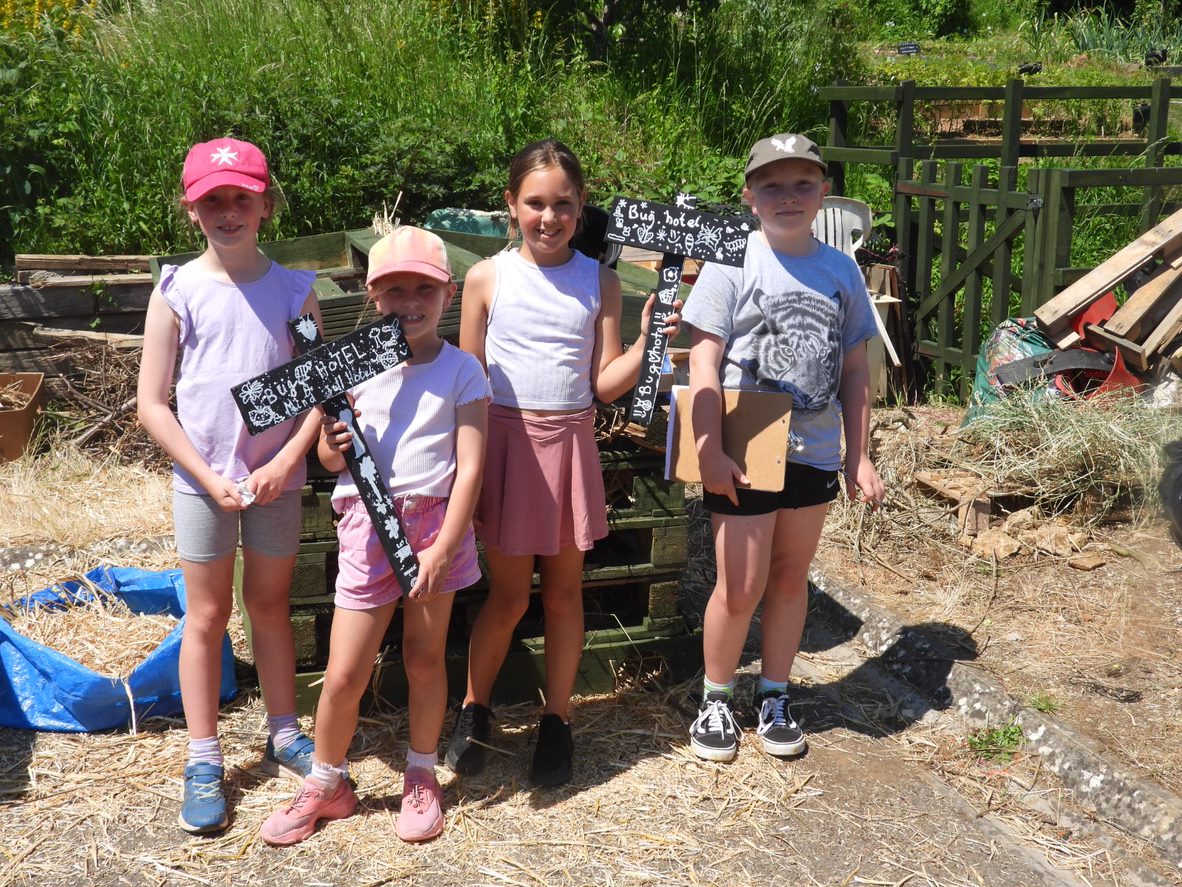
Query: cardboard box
{"points": [[16, 426]]}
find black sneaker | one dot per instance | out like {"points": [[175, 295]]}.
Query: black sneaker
{"points": [[468, 749], [714, 736], [780, 733], [554, 753]]}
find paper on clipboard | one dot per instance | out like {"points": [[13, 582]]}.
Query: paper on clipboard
{"points": [[754, 434]]}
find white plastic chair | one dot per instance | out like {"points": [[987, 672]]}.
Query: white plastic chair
{"points": [[843, 223]]}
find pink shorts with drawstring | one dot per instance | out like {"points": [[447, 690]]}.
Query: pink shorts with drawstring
{"points": [[365, 579]]}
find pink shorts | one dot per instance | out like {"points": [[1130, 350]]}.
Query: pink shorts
{"points": [[543, 484], [365, 579]]}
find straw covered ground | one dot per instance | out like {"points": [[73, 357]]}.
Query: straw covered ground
{"points": [[881, 798]]}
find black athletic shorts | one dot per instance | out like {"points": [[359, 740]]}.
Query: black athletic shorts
{"points": [[803, 486]]}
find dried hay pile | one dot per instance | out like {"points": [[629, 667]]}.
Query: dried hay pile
{"points": [[1076, 462], [1090, 457], [67, 496], [94, 628], [12, 397]]}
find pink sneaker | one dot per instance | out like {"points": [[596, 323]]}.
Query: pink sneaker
{"points": [[297, 820], [421, 817]]}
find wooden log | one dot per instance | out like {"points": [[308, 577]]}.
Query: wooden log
{"points": [[77, 264], [1146, 307], [1056, 313]]}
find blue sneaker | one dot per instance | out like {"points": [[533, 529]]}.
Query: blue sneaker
{"points": [[204, 807], [294, 760]]}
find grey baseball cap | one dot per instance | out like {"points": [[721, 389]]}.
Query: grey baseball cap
{"points": [[786, 146]]}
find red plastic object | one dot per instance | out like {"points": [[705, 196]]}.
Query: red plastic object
{"points": [[1098, 312]]}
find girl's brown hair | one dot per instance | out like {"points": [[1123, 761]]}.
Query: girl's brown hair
{"points": [[540, 155]]}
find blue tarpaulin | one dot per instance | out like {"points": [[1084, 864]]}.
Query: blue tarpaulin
{"points": [[44, 689]]}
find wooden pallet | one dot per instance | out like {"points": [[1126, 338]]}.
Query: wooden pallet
{"points": [[1147, 314]]}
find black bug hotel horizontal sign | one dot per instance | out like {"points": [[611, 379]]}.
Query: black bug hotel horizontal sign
{"points": [[679, 232], [321, 375]]}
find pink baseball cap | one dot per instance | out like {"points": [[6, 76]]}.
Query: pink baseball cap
{"points": [[210, 165], [409, 249]]}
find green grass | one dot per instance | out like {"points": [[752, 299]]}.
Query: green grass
{"points": [[998, 744], [1043, 702]]}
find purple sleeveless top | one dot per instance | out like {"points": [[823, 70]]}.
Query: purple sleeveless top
{"points": [[229, 333]]}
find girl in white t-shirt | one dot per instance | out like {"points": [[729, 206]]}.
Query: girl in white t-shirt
{"points": [[424, 421]]}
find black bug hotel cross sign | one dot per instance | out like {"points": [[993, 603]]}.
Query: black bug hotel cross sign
{"points": [[679, 232], [321, 375]]}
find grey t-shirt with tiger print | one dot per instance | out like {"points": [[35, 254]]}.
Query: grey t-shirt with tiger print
{"points": [[787, 322]]}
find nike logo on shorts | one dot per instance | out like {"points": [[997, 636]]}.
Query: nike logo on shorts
{"points": [[831, 484]]}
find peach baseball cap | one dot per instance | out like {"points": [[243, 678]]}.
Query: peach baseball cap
{"points": [[409, 249]]}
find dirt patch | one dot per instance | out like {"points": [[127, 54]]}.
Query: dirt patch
{"points": [[1095, 648]]}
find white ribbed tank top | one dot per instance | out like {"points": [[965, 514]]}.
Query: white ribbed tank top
{"points": [[541, 332]]}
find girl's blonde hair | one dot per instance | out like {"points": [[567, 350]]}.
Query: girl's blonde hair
{"points": [[541, 155]]}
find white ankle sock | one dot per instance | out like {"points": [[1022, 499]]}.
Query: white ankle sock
{"points": [[423, 762], [284, 729], [328, 775], [206, 751]]}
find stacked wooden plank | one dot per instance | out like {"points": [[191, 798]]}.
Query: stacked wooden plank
{"points": [[1147, 329], [80, 293]]}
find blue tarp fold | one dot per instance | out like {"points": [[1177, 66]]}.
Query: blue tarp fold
{"points": [[43, 689]]}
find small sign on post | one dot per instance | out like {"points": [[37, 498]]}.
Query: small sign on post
{"points": [[910, 47], [321, 375], [679, 232]]}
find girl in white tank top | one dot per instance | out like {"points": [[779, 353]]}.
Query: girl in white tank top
{"points": [[545, 322]]}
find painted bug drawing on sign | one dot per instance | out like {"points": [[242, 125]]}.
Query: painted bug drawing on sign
{"points": [[321, 375], [680, 232]]}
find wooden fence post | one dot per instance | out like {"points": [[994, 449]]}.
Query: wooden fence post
{"points": [[1011, 122], [924, 243], [1032, 240], [971, 315], [839, 110], [907, 237], [1159, 112], [905, 119], [949, 234], [999, 305]]}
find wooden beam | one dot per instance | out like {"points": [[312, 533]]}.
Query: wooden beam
{"points": [[1165, 332], [77, 264], [1145, 308], [1056, 313]]}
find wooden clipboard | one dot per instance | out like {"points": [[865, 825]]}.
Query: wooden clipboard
{"points": [[754, 434]]}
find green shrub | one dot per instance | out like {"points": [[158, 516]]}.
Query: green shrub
{"points": [[355, 101]]}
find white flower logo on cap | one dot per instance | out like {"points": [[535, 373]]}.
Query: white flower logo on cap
{"points": [[788, 147], [224, 156]]}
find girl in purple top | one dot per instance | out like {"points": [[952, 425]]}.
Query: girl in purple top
{"points": [[226, 313]]}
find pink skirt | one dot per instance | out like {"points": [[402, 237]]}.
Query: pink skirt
{"points": [[543, 485]]}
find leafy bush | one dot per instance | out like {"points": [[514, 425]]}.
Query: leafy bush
{"points": [[356, 100]]}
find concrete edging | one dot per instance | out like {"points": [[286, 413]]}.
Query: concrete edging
{"points": [[1135, 805]]}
